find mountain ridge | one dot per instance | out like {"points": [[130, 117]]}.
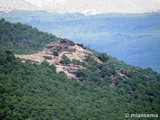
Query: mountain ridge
{"points": [[132, 28], [104, 89], [7, 6], [85, 7]]}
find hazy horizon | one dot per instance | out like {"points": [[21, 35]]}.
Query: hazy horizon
{"points": [[105, 6], [81, 6]]}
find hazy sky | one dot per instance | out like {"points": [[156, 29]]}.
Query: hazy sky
{"points": [[114, 6]]}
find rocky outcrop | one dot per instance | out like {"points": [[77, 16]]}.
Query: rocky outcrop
{"points": [[63, 47], [122, 73]]}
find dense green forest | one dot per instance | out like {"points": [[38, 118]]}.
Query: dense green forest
{"points": [[104, 91], [21, 38]]}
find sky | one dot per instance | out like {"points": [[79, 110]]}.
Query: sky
{"points": [[107, 6]]}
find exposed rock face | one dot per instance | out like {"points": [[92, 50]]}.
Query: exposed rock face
{"points": [[122, 73], [63, 47]]}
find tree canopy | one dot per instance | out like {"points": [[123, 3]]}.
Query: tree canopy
{"points": [[103, 91]]}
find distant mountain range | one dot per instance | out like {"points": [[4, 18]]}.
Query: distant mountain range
{"points": [[88, 7], [133, 38], [9, 5]]}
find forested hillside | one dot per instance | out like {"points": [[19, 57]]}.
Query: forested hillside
{"points": [[105, 89], [22, 38], [133, 38]]}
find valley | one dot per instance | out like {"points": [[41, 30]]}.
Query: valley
{"points": [[132, 38]]}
